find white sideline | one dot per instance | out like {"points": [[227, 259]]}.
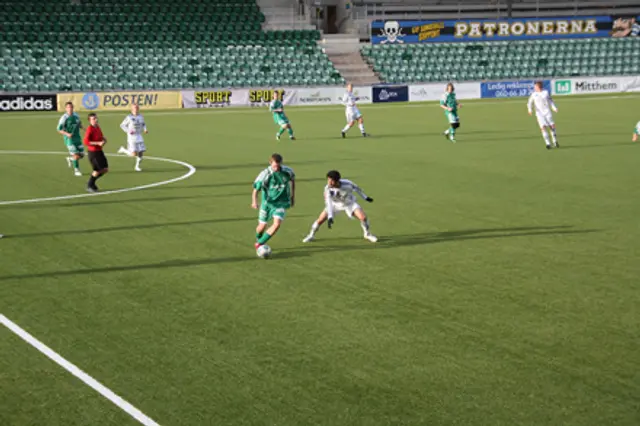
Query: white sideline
{"points": [[71, 368], [187, 175], [314, 108]]}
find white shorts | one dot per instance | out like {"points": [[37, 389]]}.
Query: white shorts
{"points": [[349, 209], [352, 114], [136, 147], [545, 120]]}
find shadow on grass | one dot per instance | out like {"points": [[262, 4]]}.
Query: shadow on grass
{"points": [[246, 184], [99, 201], [292, 253], [265, 164], [139, 227]]}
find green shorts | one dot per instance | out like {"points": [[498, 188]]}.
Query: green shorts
{"points": [[452, 117], [281, 120], [75, 149], [269, 211]]}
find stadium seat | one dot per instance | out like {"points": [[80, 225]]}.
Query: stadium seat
{"points": [[173, 43], [431, 62]]}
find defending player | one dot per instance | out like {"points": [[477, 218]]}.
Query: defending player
{"points": [[69, 127], [277, 109], [352, 112], [95, 141], [543, 103], [339, 196], [450, 105], [636, 132], [278, 186], [134, 126]]}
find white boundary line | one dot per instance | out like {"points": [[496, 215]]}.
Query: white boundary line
{"points": [[71, 368], [187, 175], [314, 108]]}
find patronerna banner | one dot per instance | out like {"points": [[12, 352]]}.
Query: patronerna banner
{"points": [[434, 91], [404, 31], [577, 86], [102, 101]]}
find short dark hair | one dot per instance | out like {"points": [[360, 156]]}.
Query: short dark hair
{"points": [[93, 114], [277, 158], [68, 103], [539, 84], [334, 175]]}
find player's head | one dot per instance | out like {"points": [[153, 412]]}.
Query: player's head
{"points": [[333, 178], [135, 109], [450, 88], [538, 86], [349, 87], [275, 161], [93, 118], [276, 95], [69, 107]]}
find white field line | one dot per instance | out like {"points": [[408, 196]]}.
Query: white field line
{"points": [[84, 377], [190, 172], [298, 108]]}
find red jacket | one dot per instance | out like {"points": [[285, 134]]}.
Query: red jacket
{"points": [[93, 134]]}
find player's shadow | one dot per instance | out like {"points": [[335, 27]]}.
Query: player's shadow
{"points": [[137, 227], [292, 253], [147, 171], [600, 145], [98, 201], [519, 136], [445, 237], [265, 164]]}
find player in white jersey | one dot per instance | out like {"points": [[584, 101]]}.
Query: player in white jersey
{"points": [[636, 132], [543, 103], [134, 126], [352, 112], [339, 196]]}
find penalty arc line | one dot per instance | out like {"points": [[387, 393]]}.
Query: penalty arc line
{"points": [[77, 372], [187, 175]]}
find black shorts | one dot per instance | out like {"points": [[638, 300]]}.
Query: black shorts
{"points": [[98, 160]]}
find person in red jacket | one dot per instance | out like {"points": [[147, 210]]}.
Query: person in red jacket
{"points": [[95, 140]]}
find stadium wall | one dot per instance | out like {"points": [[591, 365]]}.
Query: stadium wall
{"points": [[311, 96]]}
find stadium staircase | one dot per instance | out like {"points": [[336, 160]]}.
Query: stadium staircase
{"points": [[285, 15], [152, 44], [499, 60], [343, 51]]}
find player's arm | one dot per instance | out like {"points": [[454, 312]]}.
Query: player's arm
{"points": [[328, 204], [61, 128], [552, 104], [444, 106], [257, 185], [636, 131], [361, 193], [144, 126], [125, 125], [530, 104], [254, 199], [293, 192]]}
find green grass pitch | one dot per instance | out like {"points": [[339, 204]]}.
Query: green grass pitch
{"points": [[504, 289]]}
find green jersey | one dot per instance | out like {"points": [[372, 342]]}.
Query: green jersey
{"points": [[71, 124], [275, 186], [449, 100], [278, 116]]}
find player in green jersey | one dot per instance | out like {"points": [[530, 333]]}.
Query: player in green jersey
{"points": [[636, 132], [450, 105], [69, 127], [277, 109], [278, 186]]}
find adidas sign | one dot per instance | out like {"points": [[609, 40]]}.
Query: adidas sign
{"points": [[27, 103]]}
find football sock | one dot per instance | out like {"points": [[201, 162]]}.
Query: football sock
{"points": [[138, 160], [446, 132], [452, 132], [75, 163], [281, 131], [290, 130], [258, 235], [365, 226], [361, 126], [314, 228], [545, 135], [264, 238], [553, 135], [346, 129], [92, 181]]}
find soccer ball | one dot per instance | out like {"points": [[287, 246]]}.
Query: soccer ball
{"points": [[264, 251]]}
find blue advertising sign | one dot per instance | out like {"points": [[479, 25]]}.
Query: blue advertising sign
{"points": [[510, 89], [399, 32], [390, 94]]}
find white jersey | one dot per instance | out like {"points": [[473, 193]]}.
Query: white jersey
{"points": [[638, 128], [134, 126], [343, 198], [352, 112], [543, 103]]}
